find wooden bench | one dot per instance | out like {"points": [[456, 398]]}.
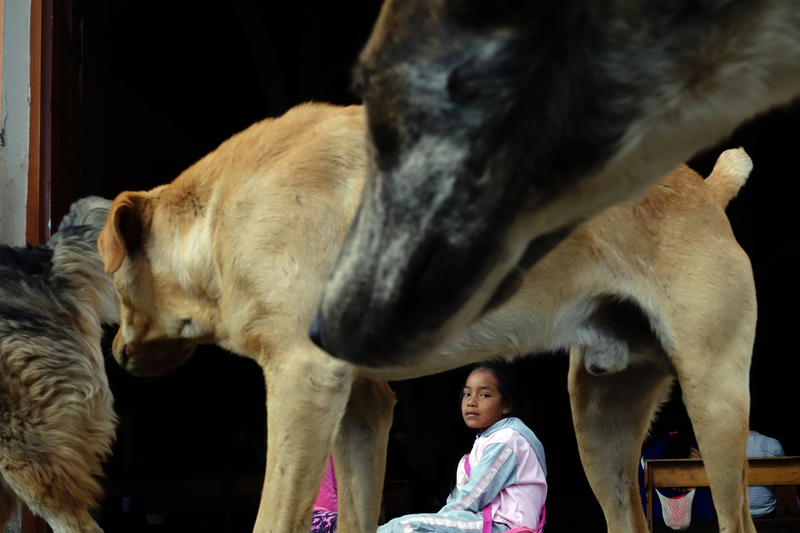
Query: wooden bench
{"points": [[665, 473]]}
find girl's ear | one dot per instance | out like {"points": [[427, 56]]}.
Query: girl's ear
{"points": [[509, 406]]}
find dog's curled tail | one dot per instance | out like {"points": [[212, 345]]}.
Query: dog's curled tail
{"points": [[731, 171]]}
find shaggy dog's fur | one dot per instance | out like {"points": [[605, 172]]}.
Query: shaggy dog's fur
{"points": [[57, 417], [236, 250]]}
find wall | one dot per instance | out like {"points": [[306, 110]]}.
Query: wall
{"points": [[14, 120]]}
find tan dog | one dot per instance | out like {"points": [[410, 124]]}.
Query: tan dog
{"points": [[236, 250]]}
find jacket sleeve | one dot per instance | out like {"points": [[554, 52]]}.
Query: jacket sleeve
{"points": [[496, 470]]}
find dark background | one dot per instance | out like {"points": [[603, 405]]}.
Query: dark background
{"points": [[164, 82]]}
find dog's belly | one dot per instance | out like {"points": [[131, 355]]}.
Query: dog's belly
{"points": [[608, 333]]}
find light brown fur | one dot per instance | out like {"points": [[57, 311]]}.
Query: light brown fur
{"points": [[236, 250]]}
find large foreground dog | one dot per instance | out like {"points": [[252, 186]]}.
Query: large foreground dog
{"points": [[57, 417], [495, 127], [236, 250]]}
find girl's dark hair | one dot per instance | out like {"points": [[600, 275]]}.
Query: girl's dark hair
{"points": [[679, 446], [506, 386]]}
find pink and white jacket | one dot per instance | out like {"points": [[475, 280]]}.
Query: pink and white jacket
{"points": [[504, 476]]}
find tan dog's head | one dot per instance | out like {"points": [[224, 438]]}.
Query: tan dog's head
{"points": [[158, 331]]}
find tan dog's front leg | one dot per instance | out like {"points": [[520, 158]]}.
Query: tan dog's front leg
{"points": [[307, 394], [611, 414], [360, 455]]}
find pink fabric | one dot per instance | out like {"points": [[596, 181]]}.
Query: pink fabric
{"points": [[323, 522], [487, 511], [514, 504], [487, 519], [529, 530], [327, 499]]}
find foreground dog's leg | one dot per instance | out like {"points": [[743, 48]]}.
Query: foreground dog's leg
{"points": [[360, 455], [611, 414], [307, 394]]}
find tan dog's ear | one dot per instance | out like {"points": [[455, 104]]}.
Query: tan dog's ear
{"points": [[123, 231]]}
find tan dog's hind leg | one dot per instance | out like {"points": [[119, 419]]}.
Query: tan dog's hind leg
{"points": [[718, 402], [713, 368], [611, 414], [307, 394], [360, 455]]}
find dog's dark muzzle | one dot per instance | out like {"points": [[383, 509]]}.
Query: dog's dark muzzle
{"points": [[366, 329], [361, 329], [152, 358], [317, 331], [427, 311]]}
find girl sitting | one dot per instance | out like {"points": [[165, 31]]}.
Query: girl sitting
{"points": [[500, 484]]}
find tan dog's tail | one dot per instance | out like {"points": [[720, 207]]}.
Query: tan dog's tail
{"points": [[731, 171]]}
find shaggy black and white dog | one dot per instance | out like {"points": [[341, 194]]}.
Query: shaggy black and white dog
{"points": [[57, 421]]}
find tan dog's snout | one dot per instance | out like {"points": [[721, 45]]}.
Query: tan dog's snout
{"points": [[151, 358], [141, 345]]}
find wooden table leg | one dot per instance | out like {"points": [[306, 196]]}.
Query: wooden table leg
{"points": [[648, 489]]}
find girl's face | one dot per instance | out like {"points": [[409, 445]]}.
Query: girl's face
{"points": [[481, 402]]}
